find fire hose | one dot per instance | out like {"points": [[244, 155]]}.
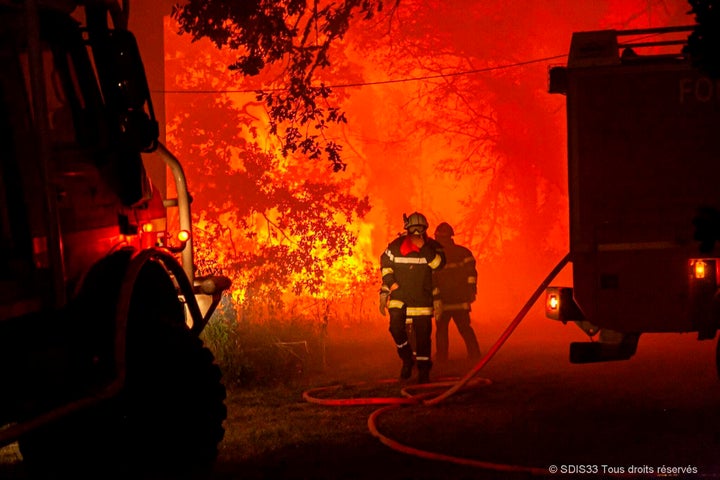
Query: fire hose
{"points": [[430, 399]]}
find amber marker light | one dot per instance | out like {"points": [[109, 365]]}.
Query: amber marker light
{"points": [[147, 227], [178, 241], [704, 269], [553, 302], [560, 305]]}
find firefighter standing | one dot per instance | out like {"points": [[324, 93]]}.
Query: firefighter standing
{"points": [[407, 265], [457, 285]]}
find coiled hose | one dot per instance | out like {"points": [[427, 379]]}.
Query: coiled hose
{"points": [[429, 399]]}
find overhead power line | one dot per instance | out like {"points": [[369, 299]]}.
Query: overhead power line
{"points": [[379, 82]]}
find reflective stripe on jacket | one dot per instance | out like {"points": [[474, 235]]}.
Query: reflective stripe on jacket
{"points": [[412, 273]]}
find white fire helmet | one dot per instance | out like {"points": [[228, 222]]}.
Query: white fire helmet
{"points": [[415, 223]]}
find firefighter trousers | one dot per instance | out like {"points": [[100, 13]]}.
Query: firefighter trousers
{"points": [[462, 321], [422, 326]]}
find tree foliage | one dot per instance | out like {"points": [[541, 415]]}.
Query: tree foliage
{"points": [[295, 33], [495, 132], [272, 224]]}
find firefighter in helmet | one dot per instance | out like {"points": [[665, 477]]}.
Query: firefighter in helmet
{"points": [[457, 285], [407, 265]]}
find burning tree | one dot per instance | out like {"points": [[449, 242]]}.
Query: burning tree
{"points": [[295, 33], [273, 223]]}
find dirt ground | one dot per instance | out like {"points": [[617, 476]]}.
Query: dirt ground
{"points": [[657, 414]]}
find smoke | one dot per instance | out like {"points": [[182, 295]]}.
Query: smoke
{"points": [[449, 115]]}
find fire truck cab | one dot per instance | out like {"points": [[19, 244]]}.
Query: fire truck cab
{"points": [[100, 311], [643, 179]]}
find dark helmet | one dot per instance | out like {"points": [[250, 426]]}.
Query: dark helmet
{"points": [[444, 230], [415, 223]]}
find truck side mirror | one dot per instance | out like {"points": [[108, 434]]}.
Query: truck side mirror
{"points": [[125, 88]]}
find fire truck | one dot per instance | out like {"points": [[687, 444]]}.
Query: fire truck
{"points": [[643, 176], [102, 365]]}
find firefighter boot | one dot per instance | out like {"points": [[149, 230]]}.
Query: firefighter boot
{"points": [[406, 354], [424, 371]]}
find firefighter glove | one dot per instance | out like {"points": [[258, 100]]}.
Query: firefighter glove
{"points": [[384, 295]]}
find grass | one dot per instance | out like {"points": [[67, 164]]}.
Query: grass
{"points": [[274, 348], [274, 432], [268, 366], [285, 419], [267, 353]]}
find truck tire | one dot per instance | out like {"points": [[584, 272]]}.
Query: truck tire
{"points": [[173, 405], [167, 420]]}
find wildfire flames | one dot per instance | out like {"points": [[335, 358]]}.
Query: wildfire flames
{"points": [[448, 114]]}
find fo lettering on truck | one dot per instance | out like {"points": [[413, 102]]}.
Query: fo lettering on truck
{"points": [[644, 180], [101, 364]]}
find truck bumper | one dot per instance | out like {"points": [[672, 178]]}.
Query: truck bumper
{"points": [[611, 345]]}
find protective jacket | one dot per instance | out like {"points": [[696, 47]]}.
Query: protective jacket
{"points": [[411, 269], [457, 281]]}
